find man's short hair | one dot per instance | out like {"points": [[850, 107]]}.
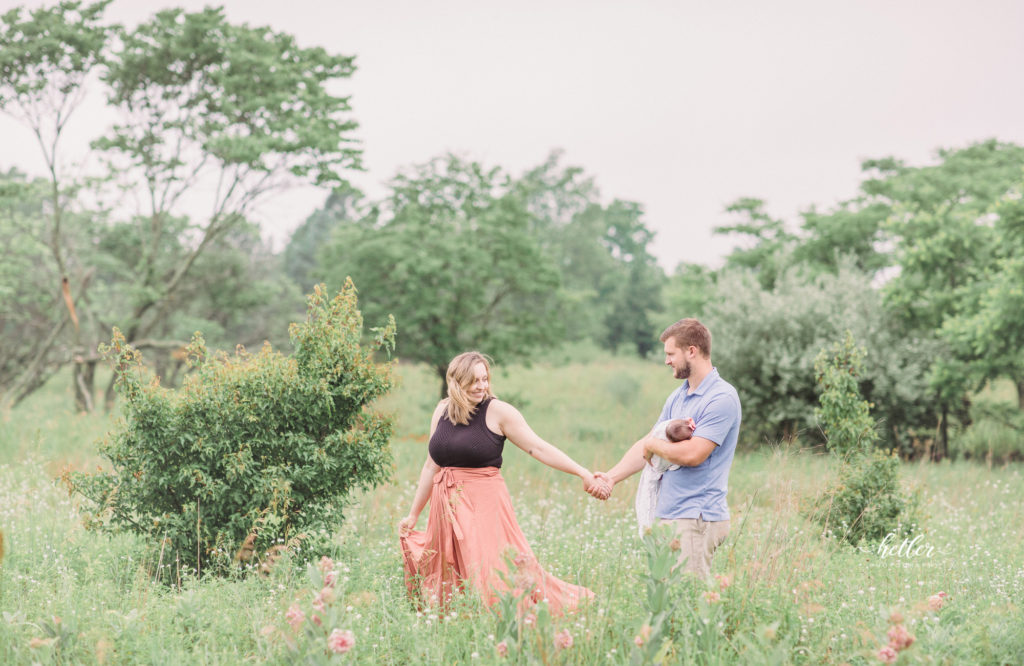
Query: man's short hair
{"points": [[689, 332]]}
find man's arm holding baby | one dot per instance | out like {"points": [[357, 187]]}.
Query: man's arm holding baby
{"points": [[687, 453], [684, 450], [636, 457]]}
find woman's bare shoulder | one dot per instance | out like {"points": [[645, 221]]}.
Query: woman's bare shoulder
{"points": [[502, 408]]}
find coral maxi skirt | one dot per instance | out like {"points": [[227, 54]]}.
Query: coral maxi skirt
{"points": [[472, 536]]}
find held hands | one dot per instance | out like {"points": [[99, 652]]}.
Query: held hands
{"points": [[598, 485]]}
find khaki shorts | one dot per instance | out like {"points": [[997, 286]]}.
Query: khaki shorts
{"points": [[698, 540]]}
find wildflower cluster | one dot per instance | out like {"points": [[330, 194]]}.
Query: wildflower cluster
{"points": [[662, 553], [521, 625], [314, 625], [899, 638]]}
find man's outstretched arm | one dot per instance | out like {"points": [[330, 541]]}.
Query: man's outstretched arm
{"points": [[631, 463]]}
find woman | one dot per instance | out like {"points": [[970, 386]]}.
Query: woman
{"points": [[472, 532]]}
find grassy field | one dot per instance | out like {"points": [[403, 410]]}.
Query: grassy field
{"points": [[71, 596]]}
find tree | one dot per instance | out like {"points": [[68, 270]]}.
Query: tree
{"points": [[449, 254], [203, 98], [991, 338], [855, 229], [635, 292], [236, 292], [299, 257], [945, 243], [568, 222], [46, 58], [687, 291], [610, 281], [769, 241], [929, 233], [27, 318], [200, 100]]}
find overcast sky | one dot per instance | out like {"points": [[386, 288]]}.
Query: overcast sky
{"points": [[682, 106]]}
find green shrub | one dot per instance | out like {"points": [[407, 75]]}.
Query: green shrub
{"points": [[765, 343], [844, 416], [866, 503], [255, 450]]}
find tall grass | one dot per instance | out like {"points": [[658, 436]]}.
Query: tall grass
{"points": [[71, 596]]}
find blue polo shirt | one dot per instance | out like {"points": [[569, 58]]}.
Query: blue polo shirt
{"points": [[699, 492]]}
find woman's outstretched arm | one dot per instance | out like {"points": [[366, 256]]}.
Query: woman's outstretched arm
{"points": [[519, 432]]}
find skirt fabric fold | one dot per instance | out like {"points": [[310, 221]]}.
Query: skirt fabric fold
{"points": [[473, 542]]}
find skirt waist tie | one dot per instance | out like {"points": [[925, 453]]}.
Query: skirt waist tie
{"points": [[448, 486]]}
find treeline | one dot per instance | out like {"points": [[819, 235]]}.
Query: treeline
{"points": [[470, 257], [464, 255], [925, 266]]}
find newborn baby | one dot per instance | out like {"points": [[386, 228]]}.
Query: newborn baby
{"points": [[675, 430]]}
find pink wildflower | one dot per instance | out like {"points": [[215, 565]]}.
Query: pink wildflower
{"points": [[723, 581], [502, 649], [341, 641], [563, 640], [330, 578], [295, 616], [711, 596], [530, 619], [317, 620], [326, 564], [887, 655], [936, 601], [324, 596], [900, 638], [638, 640]]}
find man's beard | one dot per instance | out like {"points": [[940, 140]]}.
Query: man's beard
{"points": [[682, 372]]}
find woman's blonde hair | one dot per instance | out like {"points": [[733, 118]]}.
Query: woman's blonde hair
{"points": [[459, 377]]}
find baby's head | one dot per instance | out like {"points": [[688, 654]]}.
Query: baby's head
{"points": [[677, 430]]}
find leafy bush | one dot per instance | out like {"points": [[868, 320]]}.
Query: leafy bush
{"points": [[844, 416], [866, 502], [765, 343], [255, 450]]}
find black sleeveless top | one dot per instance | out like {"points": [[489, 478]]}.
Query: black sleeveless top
{"points": [[470, 445]]}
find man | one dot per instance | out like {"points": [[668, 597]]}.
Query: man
{"points": [[692, 497]]}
